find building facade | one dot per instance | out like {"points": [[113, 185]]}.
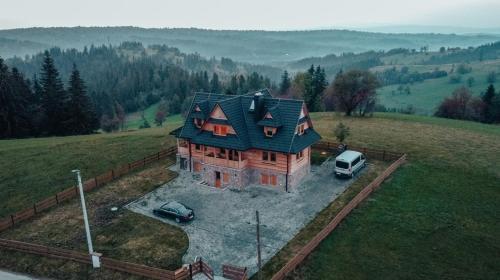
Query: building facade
{"points": [[246, 139]]}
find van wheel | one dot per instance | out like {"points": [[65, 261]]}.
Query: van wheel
{"points": [[352, 175]]}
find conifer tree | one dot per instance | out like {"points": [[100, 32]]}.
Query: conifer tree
{"points": [[81, 115], [215, 86], [285, 83], [54, 99], [488, 97]]}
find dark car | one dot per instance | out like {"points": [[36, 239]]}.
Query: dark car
{"points": [[175, 210]]}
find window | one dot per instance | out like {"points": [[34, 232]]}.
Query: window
{"points": [[269, 131], [198, 122], [274, 180], [342, 164], [264, 179], [300, 155], [269, 156], [354, 162], [197, 147], [300, 129], [225, 177], [220, 130]]}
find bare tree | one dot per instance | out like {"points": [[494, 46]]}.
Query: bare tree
{"points": [[353, 90]]}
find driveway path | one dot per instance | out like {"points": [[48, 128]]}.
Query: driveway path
{"points": [[224, 230]]}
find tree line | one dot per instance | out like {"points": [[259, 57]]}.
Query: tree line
{"points": [[351, 92], [43, 107], [463, 106]]}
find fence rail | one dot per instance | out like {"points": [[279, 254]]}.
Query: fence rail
{"points": [[361, 196], [369, 152], [131, 268], [88, 185]]}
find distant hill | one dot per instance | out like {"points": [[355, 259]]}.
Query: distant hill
{"points": [[263, 47]]}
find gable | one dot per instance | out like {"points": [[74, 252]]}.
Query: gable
{"points": [[217, 113]]}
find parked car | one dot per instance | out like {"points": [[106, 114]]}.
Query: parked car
{"points": [[175, 210], [349, 163]]}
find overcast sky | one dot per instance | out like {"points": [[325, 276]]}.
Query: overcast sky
{"points": [[249, 14]]}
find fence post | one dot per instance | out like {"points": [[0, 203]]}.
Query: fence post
{"points": [[57, 199], [34, 208], [128, 167], [201, 265], [112, 174], [158, 155], [95, 181], [190, 271], [143, 162], [383, 155], [12, 219]]}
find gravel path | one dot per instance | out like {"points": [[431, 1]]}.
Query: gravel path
{"points": [[224, 228]]}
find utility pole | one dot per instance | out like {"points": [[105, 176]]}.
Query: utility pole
{"points": [[95, 256], [259, 261]]}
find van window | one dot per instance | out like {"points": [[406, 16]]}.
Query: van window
{"points": [[354, 162], [342, 164]]}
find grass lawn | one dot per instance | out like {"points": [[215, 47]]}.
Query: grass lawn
{"points": [[436, 218], [33, 169], [134, 120], [122, 234], [427, 95]]}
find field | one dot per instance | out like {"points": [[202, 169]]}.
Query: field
{"points": [[437, 218], [427, 95], [33, 169]]}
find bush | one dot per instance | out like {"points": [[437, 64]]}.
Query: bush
{"points": [[341, 132], [455, 79]]}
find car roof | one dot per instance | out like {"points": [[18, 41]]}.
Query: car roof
{"points": [[348, 156], [173, 204]]}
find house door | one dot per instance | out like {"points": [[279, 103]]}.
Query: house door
{"points": [[183, 164], [217, 179]]}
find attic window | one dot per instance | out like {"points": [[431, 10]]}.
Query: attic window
{"points": [[198, 122], [197, 108], [252, 106], [300, 129], [269, 131], [220, 130], [268, 116]]}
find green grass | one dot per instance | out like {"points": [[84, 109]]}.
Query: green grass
{"points": [[427, 95], [437, 218], [33, 169], [134, 120]]}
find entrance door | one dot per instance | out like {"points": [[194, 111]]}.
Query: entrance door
{"points": [[217, 179]]}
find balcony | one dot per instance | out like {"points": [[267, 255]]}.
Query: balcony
{"points": [[225, 162]]}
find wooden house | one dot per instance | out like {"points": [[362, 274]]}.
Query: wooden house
{"points": [[246, 139]]}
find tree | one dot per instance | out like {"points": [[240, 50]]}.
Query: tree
{"points": [[491, 78], [160, 118], [314, 85], [215, 86], [355, 89], [54, 99], [461, 105], [285, 84], [488, 97], [470, 81], [81, 115], [341, 132]]}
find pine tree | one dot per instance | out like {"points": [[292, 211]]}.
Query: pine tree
{"points": [[488, 97], [215, 84], [54, 98], [285, 83], [81, 116]]}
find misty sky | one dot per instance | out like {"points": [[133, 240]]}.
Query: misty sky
{"points": [[249, 14]]}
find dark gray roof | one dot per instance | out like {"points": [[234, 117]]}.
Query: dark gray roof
{"points": [[249, 129]]}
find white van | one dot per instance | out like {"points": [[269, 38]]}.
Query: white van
{"points": [[348, 163]]}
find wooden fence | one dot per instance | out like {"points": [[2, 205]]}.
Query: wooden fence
{"points": [[234, 272], [88, 185], [361, 196], [228, 271], [131, 268], [368, 152]]}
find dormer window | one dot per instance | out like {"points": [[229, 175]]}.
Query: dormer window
{"points": [[220, 130], [198, 122], [269, 131], [300, 129], [197, 108]]}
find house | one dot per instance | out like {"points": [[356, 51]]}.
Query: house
{"points": [[246, 139]]}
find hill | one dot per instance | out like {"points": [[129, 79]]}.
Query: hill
{"points": [[262, 47], [436, 218]]}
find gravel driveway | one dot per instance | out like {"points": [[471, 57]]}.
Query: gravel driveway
{"points": [[224, 228]]}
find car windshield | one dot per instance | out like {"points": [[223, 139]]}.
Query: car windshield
{"points": [[181, 209], [342, 164]]}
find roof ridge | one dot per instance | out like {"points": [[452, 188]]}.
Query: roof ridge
{"points": [[293, 137]]}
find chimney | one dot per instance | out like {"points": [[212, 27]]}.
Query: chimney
{"points": [[258, 103]]}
